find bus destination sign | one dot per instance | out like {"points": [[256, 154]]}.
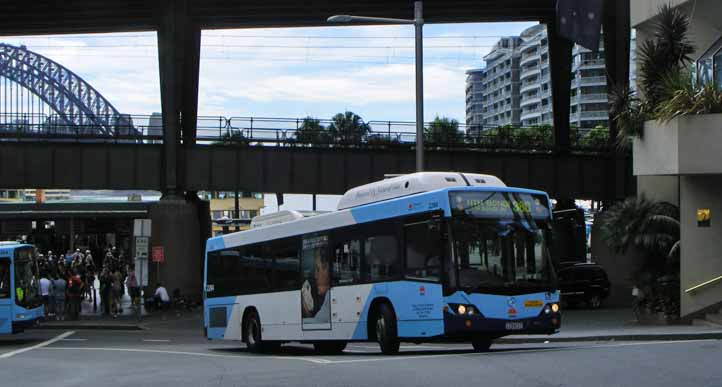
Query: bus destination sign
{"points": [[499, 204]]}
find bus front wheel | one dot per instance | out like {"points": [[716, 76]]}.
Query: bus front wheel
{"points": [[386, 334], [481, 343]]}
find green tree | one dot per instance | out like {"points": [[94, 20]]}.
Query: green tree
{"points": [[596, 137], [348, 127], [651, 228], [311, 132], [443, 131]]}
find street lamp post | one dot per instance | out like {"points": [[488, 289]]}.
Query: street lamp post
{"points": [[418, 22]]}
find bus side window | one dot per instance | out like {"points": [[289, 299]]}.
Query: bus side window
{"points": [[287, 265], [381, 257], [423, 252], [347, 262], [4, 278]]}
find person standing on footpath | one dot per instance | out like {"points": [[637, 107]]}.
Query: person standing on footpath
{"points": [[74, 294], [59, 288], [105, 291], [45, 293]]}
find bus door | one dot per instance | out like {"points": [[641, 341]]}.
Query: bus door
{"points": [[316, 283], [6, 298]]}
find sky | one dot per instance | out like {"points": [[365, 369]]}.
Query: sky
{"points": [[290, 72]]}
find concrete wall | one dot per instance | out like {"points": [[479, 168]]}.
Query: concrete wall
{"points": [[705, 19], [685, 145], [661, 188], [701, 248], [620, 268]]}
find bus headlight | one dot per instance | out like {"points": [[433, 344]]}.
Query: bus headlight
{"points": [[547, 309], [555, 308], [461, 309]]}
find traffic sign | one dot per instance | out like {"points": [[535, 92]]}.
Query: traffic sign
{"points": [[158, 254], [141, 246]]}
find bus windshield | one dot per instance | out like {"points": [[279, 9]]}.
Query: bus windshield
{"points": [[500, 243]]}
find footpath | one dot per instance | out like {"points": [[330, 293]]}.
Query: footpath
{"points": [[606, 324]]}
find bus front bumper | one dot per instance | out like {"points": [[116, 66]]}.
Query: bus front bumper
{"points": [[464, 325]]}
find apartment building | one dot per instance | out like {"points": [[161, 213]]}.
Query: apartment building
{"points": [[492, 93], [529, 99]]}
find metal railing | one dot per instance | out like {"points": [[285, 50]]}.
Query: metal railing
{"points": [[267, 131], [703, 284]]}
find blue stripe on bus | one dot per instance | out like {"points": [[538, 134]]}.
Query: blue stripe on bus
{"points": [[215, 243]]}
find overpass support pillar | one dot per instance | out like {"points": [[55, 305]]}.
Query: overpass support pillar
{"points": [[560, 60], [617, 36], [180, 226]]}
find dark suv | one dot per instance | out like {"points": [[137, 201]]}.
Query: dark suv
{"points": [[583, 283]]}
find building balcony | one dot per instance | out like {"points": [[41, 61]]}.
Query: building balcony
{"points": [[528, 100], [529, 58], [590, 81], [597, 97], [532, 113], [530, 71], [529, 86], [590, 64], [589, 115]]}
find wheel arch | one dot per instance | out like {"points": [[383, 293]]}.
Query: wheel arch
{"points": [[247, 312]]}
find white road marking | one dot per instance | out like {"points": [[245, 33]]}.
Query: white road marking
{"points": [[317, 360], [156, 341], [201, 354], [36, 346], [518, 351]]}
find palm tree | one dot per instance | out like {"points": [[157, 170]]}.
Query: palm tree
{"points": [[648, 225], [348, 127], [311, 132], [660, 59], [443, 131]]}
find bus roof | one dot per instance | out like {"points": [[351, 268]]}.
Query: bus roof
{"points": [[389, 208], [413, 183]]}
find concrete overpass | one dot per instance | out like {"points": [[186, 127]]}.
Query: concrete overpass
{"points": [[173, 166]]}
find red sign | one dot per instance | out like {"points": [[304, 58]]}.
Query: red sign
{"points": [[158, 255]]}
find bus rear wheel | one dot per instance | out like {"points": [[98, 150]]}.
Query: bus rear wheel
{"points": [[252, 333], [329, 347], [481, 343], [386, 334]]}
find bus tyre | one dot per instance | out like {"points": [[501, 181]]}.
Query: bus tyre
{"points": [[481, 343], [329, 347], [252, 333], [386, 333]]}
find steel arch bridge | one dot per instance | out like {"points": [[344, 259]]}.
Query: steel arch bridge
{"points": [[77, 104]]}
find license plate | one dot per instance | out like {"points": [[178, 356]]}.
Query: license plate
{"points": [[514, 325]]}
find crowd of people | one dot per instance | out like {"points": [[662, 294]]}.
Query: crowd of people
{"points": [[67, 280]]}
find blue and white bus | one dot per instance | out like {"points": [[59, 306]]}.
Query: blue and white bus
{"points": [[430, 256], [20, 305]]}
